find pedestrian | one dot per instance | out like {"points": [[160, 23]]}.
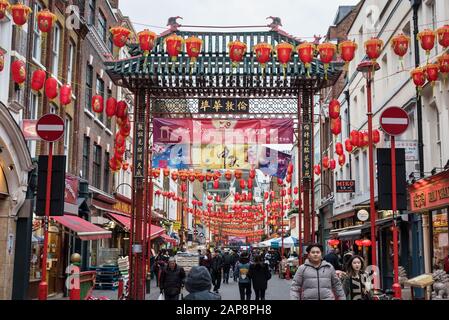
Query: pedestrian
{"points": [[259, 275], [356, 283], [241, 271], [206, 260], [215, 270], [333, 259], [235, 259], [316, 279], [346, 257], [172, 280], [227, 261], [198, 284]]}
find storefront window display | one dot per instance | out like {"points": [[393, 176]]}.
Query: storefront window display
{"points": [[440, 237]]}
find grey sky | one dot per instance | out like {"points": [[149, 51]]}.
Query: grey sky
{"points": [[301, 18]]}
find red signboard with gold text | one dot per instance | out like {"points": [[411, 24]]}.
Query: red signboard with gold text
{"points": [[430, 193]]}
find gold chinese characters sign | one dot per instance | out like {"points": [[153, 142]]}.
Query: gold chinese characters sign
{"points": [[430, 193], [307, 131], [139, 160], [223, 106]]}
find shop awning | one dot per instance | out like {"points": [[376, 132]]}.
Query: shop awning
{"points": [[167, 238], [347, 235], [83, 229], [125, 222]]}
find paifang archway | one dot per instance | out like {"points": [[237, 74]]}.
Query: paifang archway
{"points": [[167, 89]]}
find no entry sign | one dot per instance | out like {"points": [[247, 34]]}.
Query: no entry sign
{"points": [[394, 121], [50, 127]]}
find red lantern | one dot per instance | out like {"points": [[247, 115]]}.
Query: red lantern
{"points": [[242, 183], [284, 54], [114, 164], [65, 95], [443, 36], [173, 45], [306, 52], [348, 145], [317, 169], [250, 196], [119, 139], [283, 193], [373, 48], [174, 175], [366, 243], [266, 195], [119, 151], [342, 159], [147, 39], [288, 178], [192, 179], [365, 138], [20, 13], [217, 198], [97, 104], [250, 183], [38, 80], [339, 148], [237, 51], [336, 126], [354, 138], [166, 172], [237, 197], [228, 175], [400, 44], [51, 88], [4, 5], [327, 51], [120, 36], [216, 184], [263, 53], [125, 129], [431, 71], [193, 48], [201, 178], [334, 109], [125, 166], [111, 107], [332, 164], [280, 181], [347, 51], [18, 72], [297, 202], [290, 168], [376, 136], [443, 62], [325, 162], [419, 78], [359, 243], [361, 139], [183, 187], [252, 173], [45, 20], [2, 60], [427, 40], [238, 174], [122, 109], [210, 197]]}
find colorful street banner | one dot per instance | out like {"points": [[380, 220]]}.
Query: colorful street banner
{"points": [[218, 144]]}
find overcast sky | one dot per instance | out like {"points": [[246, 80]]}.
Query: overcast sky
{"points": [[301, 18]]}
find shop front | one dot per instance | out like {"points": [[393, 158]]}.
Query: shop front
{"points": [[430, 198]]}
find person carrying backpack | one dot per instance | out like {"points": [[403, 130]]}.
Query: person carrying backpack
{"points": [[241, 271]]}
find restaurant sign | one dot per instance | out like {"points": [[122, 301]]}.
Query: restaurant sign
{"points": [[430, 193]]}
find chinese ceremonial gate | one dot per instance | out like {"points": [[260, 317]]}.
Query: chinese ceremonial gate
{"points": [[179, 89]]}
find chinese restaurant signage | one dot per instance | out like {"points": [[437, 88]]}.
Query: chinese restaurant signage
{"points": [[226, 106], [343, 186], [430, 193], [139, 160], [307, 130], [122, 207]]}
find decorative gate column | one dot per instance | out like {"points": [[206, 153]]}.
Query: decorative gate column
{"points": [[307, 173]]}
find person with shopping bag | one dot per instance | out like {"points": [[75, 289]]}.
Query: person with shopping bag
{"points": [[172, 280]]}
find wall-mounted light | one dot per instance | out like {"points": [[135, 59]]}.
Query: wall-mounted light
{"points": [[11, 167]]}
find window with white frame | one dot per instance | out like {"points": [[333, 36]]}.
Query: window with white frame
{"points": [[34, 107], [89, 86], [37, 37], [55, 50], [67, 138], [71, 63], [365, 172]]}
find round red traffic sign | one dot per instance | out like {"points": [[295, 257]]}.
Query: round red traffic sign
{"points": [[394, 121], [50, 127]]}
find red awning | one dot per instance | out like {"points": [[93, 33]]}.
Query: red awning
{"points": [[167, 238], [83, 229], [125, 221]]}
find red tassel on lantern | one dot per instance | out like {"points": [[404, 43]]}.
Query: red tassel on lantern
{"points": [[65, 95], [51, 88], [18, 72], [20, 13], [45, 20], [97, 104], [334, 109], [306, 53], [111, 107], [120, 36], [38, 80]]}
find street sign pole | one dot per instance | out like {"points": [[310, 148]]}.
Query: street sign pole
{"points": [[43, 285]]}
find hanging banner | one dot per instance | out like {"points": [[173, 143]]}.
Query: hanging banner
{"points": [[218, 144]]}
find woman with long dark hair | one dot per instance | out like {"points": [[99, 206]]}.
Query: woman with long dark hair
{"points": [[356, 282], [259, 274]]}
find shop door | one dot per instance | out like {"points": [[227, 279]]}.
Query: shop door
{"points": [[54, 258]]}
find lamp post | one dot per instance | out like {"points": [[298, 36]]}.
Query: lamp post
{"points": [[368, 68]]}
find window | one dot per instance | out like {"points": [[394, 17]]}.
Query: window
{"points": [[91, 14], [34, 107], [85, 167], [439, 238], [111, 44], [67, 138], [71, 63], [365, 172], [108, 119], [56, 45], [96, 168], [106, 185], [358, 189], [89, 83], [37, 49], [100, 91], [438, 136], [102, 27], [53, 108]]}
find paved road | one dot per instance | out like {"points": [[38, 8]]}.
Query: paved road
{"points": [[278, 289]]}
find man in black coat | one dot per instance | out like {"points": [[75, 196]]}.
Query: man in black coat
{"points": [[215, 270], [227, 261], [333, 259], [172, 280]]}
